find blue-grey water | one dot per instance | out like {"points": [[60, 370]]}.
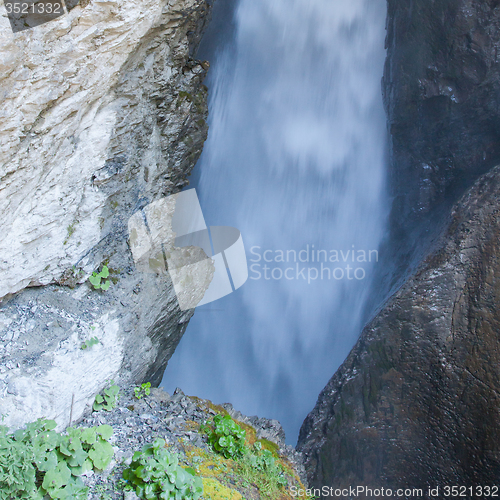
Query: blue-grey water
{"points": [[295, 159]]}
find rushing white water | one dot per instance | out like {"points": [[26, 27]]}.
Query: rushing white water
{"points": [[295, 158]]}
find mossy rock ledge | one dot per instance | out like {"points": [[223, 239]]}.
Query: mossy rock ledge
{"points": [[179, 420]]}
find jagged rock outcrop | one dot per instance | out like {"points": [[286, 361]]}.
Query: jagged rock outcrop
{"points": [[103, 111], [416, 403]]}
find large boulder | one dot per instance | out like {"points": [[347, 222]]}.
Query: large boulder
{"points": [[416, 403]]}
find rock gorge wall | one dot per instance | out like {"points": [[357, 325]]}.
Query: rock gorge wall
{"points": [[416, 402], [102, 111], [440, 88]]}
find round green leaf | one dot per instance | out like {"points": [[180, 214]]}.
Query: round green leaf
{"points": [[105, 431], [101, 454]]}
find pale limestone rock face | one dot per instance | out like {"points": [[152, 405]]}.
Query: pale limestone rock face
{"points": [[58, 115], [27, 392], [102, 111]]}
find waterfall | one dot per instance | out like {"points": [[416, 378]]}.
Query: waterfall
{"points": [[295, 159]]}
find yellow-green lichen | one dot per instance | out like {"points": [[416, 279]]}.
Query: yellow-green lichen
{"points": [[215, 490], [224, 477]]}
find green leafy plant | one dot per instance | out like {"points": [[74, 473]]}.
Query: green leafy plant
{"points": [[155, 473], [262, 469], [71, 229], [227, 437], [96, 278], [108, 399], [143, 390], [37, 462], [263, 460], [89, 343]]}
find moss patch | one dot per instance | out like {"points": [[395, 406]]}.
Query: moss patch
{"points": [[215, 490], [205, 404], [269, 445]]}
